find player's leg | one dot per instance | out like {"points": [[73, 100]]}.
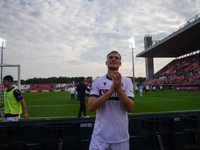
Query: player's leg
{"points": [[84, 109], [81, 106], [96, 145], [71, 97], [120, 146]]}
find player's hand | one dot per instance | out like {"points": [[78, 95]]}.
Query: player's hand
{"points": [[26, 116], [117, 79], [112, 89]]}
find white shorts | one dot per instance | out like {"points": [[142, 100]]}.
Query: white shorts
{"points": [[96, 145], [10, 119]]}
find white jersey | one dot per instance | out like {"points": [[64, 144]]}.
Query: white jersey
{"points": [[111, 123], [72, 90], [141, 89]]}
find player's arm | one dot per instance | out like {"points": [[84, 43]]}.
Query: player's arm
{"points": [[86, 88], [19, 97], [96, 102], [126, 102], [26, 116]]}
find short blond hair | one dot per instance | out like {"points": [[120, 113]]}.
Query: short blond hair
{"points": [[114, 52]]}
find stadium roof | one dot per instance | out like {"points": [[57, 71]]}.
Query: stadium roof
{"points": [[183, 41]]}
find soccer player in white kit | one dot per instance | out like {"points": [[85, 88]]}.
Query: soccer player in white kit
{"points": [[112, 96], [141, 90]]}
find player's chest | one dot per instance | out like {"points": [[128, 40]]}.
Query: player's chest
{"points": [[105, 87], [7, 96]]}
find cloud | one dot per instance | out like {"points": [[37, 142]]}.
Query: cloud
{"points": [[72, 38]]}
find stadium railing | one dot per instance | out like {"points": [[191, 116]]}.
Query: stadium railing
{"points": [[157, 131]]}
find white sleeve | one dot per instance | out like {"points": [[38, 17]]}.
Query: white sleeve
{"points": [[129, 89], [94, 91]]}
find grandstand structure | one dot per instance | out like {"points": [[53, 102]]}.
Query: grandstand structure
{"points": [[182, 73]]}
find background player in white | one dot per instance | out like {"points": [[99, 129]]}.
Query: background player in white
{"points": [[112, 96], [161, 88], [141, 90], [72, 92], [154, 88], [136, 89], [147, 89]]}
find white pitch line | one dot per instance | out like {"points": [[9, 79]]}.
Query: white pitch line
{"points": [[58, 117], [163, 112], [51, 105]]}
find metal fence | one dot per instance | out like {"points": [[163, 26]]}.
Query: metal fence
{"points": [[147, 132]]}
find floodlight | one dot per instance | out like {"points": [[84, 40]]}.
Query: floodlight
{"points": [[132, 46], [2, 46], [132, 42], [3, 43]]}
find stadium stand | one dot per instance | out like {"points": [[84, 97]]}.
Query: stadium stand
{"points": [[182, 71], [41, 86], [47, 87], [44, 87], [182, 74]]}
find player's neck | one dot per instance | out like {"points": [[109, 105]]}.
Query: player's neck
{"points": [[10, 87], [110, 72]]}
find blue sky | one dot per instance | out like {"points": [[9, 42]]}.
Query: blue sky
{"points": [[72, 38]]}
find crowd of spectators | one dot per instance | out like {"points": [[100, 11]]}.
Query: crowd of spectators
{"points": [[180, 71], [49, 86]]}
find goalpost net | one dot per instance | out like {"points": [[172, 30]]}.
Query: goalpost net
{"points": [[14, 71]]}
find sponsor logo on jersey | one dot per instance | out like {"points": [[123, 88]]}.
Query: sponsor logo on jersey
{"points": [[102, 92], [114, 96]]}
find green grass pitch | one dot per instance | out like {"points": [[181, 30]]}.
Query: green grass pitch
{"points": [[58, 105]]}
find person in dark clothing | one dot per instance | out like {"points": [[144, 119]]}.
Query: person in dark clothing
{"points": [[81, 87]]}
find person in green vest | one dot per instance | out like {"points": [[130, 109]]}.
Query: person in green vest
{"points": [[13, 101]]}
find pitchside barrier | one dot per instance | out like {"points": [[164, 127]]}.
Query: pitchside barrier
{"points": [[176, 131]]}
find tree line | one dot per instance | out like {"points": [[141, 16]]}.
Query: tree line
{"points": [[61, 79]]}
